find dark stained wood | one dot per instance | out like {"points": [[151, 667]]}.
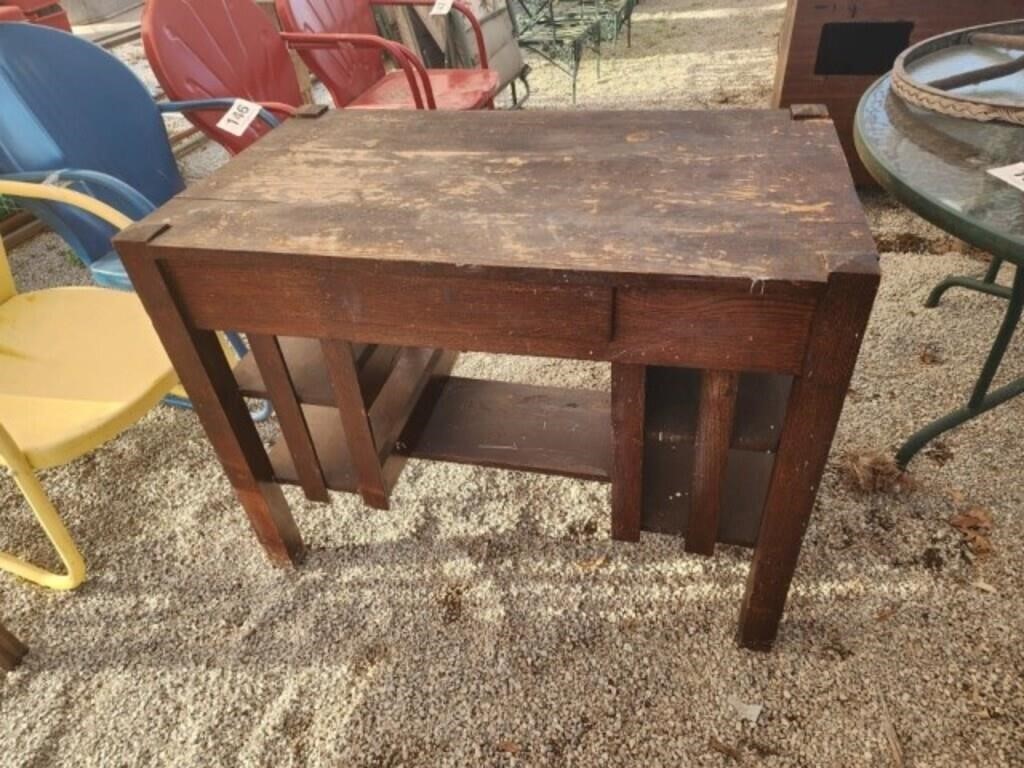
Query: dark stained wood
{"points": [[698, 328], [814, 408], [12, 650], [736, 194], [355, 420], [673, 395], [697, 240], [515, 426], [796, 81], [199, 361], [668, 492], [408, 389], [281, 391], [332, 300], [308, 371], [629, 384], [716, 411]]}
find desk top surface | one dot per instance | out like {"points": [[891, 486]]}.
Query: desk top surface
{"points": [[743, 194]]}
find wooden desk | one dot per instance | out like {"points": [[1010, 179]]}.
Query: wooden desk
{"points": [[720, 261]]}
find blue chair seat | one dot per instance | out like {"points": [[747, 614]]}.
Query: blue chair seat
{"points": [[109, 272]]}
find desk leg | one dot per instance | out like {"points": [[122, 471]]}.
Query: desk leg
{"points": [[813, 412], [200, 363], [629, 384]]}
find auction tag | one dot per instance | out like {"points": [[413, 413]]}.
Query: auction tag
{"points": [[1011, 174], [441, 7], [237, 120]]}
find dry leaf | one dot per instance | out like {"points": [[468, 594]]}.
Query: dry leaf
{"points": [[873, 472], [939, 452], [588, 566], [508, 747], [931, 356], [725, 749], [974, 525]]}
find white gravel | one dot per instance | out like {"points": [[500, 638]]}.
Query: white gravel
{"points": [[488, 620]]}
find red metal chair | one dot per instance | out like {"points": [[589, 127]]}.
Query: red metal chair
{"points": [[196, 51], [45, 12], [357, 78]]}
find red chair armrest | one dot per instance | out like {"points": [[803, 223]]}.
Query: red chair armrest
{"points": [[405, 58]]}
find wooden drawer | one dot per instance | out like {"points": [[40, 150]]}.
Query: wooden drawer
{"points": [[363, 306], [720, 330]]}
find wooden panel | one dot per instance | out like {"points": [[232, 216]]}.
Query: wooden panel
{"points": [[736, 194], [327, 301], [281, 389], [629, 386], [668, 492], [515, 426], [340, 357], [673, 393], [711, 329], [388, 416], [309, 373], [715, 414], [796, 81]]}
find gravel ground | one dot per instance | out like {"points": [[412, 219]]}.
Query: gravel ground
{"points": [[488, 620]]}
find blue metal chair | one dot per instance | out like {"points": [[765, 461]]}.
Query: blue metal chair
{"points": [[73, 114]]}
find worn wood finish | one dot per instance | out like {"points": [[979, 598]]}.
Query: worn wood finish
{"points": [[355, 419], [689, 240], [796, 80], [199, 361], [515, 426], [629, 385], [717, 408], [811, 418], [281, 391], [12, 650]]}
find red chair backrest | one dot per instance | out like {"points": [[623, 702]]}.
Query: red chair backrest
{"points": [[9, 13], [346, 71], [200, 49]]}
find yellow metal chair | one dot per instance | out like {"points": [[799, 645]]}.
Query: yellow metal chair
{"points": [[78, 365]]}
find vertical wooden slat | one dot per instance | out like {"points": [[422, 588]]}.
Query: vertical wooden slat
{"points": [[199, 360], [715, 413], [628, 409], [281, 389], [815, 404], [12, 650], [341, 369]]}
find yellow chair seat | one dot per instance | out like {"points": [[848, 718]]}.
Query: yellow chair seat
{"points": [[77, 367]]}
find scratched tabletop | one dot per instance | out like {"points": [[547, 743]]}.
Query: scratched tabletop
{"points": [[751, 194]]}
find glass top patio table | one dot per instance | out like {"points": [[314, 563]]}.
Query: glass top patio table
{"points": [[938, 167]]}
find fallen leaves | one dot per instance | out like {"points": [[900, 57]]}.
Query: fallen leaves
{"points": [[931, 356], [725, 749], [975, 527], [508, 747], [873, 472], [589, 566]]}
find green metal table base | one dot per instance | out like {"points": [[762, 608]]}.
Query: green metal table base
{"points": [[982, 399]]}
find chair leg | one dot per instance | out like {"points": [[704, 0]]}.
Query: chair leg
{"points": [[50, 522]]}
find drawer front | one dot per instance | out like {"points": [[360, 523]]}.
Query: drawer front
{"points": [[711, 329], [454, 313]]}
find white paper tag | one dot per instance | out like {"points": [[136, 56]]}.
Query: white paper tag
{"points": [[237, 120], [441, 7], [1011, 174]]}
